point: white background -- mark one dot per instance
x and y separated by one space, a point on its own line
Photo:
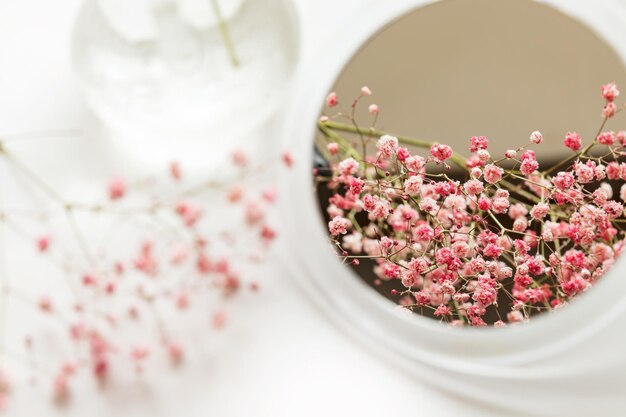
279 355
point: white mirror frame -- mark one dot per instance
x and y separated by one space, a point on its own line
416 342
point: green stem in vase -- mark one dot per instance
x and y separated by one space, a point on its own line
225 34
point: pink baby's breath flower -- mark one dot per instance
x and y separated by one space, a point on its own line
332 100
584 173
428 205
573 141
484 203
520 224
500 205
239 158
381 210
528 166
492 173
189 212
182 300
424 232
387 145
234 194
518 210
339 226
478 143
175 353
43 243
139 353
254 213
440 152
348 166
563 180
609 91
60 388
606 138
219 319
366 91
413 185
539 211
536 137
403 154
391 270
287 159
442 310
609 110
373 109
473 187
483 155
511 153
116 188
332 148
515 316
175 171
415 163
613 209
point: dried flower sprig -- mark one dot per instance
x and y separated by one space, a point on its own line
166 248
496 240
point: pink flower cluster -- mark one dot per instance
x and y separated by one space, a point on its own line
188 259
495 241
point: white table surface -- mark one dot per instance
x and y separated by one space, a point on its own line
279 355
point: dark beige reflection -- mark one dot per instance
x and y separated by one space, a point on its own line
499 68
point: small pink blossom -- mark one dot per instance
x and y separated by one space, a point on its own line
332 100
609 91
528 166
240 159
478 143
116 188
539 211
189 212
536 137
175 171
492 173
606 138
609 110
348 166
332 148
403 154
287 159
366 91
584 173
483 155
473 187
415 163
43 243
413 185
373 109
339 226
175 353
563 180
387 145
573 141
442 310
440 152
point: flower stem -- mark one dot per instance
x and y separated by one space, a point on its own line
406 140
225 34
